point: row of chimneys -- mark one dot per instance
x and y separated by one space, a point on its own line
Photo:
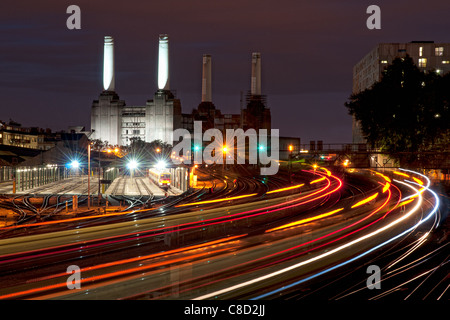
163 69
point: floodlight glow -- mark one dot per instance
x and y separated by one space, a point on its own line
132 164
75 164
161 165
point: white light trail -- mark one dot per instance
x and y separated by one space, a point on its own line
328 253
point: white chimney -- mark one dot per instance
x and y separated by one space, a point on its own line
108 64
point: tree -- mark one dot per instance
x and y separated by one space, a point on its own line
408 110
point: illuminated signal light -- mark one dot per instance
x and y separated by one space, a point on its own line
365 200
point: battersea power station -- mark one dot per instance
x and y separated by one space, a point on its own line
115 122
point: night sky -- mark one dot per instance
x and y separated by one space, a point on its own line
50 75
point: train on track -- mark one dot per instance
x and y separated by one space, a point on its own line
161 178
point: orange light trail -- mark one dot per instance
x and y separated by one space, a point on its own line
217 200
296 223
75 219
384 177
386 187
287 188
365 200
317 180
123 272
405 202
401 174
418 181
327 171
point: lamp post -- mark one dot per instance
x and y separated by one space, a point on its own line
224 151
89 176
290 148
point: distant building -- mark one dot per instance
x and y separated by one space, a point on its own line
13 134
427 55
113 121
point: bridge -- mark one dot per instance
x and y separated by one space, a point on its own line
362 156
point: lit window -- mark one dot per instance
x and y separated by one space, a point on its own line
420 51
438 71
384 61
422 62
445 62
439 51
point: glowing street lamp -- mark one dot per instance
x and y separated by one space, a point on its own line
224 151
132 164
161 165
75 164
290 148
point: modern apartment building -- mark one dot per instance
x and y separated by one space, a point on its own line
427 55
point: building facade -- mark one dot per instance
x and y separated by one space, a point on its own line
118 124
13 134
427 55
